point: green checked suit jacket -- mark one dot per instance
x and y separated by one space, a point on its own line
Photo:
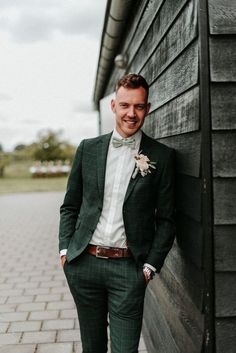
148 205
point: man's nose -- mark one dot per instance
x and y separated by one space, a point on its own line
131 112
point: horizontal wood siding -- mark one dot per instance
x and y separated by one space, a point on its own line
187 152
162 43
222 24
178 116
225 248
223 58
223 105
168 58
225 335
222 16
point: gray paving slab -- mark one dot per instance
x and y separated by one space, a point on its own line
17 348
55 348
37 312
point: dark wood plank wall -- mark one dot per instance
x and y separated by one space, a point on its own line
162 45
222 42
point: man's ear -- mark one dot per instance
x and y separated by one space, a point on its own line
148 108
113 105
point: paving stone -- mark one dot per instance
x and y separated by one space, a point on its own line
9 338
9 274
36 291
54 272
78 347
21 299
39 337
51 284
33 273
31 306
55 348
42 278
18 348
19 279
63 290
67 296
7 308
47 298
6 286
58 324
25 326
59 277
3 327
76 323
3 300
61 305
68 314
13 316
68 336
44 315
28 285
11 292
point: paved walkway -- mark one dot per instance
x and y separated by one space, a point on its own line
37 313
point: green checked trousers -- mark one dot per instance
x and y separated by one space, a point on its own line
107 290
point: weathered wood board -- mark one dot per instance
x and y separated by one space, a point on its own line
225 248
223 106
222 16
224 153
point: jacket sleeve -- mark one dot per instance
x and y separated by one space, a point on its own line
72 202
165 225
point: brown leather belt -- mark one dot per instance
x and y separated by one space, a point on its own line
107 252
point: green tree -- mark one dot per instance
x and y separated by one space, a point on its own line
50 147
4 161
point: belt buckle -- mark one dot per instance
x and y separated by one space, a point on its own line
97 252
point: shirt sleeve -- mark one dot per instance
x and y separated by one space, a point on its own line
151 267
63 252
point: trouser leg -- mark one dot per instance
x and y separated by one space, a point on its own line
84 277
126 292
99 286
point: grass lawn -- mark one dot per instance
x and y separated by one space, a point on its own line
15 185
17 179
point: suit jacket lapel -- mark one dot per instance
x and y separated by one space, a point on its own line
102 150
143 148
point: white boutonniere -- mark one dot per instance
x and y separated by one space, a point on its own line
143 165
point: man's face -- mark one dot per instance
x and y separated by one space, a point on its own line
130 108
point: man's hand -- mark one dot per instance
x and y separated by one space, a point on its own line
147 274
63 260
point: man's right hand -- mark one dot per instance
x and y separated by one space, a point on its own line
63 260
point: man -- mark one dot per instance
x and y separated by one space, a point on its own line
117 223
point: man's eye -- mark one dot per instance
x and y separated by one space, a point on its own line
140 107
124 105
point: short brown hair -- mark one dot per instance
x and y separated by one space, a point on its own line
132 81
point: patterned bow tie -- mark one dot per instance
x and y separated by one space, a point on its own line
123 142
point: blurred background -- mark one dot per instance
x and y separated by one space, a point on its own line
48 62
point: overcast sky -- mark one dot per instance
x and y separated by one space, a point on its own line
48 58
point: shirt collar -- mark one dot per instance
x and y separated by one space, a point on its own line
137 136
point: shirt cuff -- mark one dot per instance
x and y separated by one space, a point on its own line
151 267
63 252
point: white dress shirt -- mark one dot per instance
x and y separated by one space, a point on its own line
120 164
